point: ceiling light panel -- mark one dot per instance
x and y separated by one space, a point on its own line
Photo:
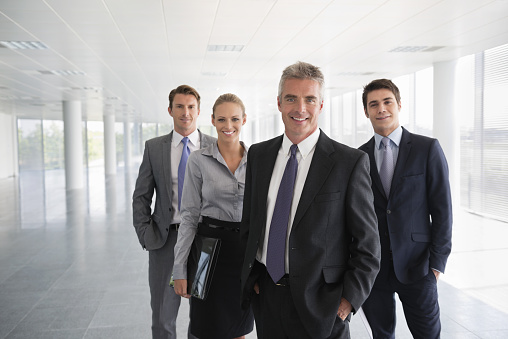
23 45
225 48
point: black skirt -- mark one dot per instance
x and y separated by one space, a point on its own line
220 315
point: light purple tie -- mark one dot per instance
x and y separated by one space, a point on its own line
278 228
181 168
386 170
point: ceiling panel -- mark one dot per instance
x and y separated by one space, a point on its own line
133 52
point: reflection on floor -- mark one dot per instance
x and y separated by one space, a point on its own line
71 266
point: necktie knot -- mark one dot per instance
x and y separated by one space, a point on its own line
386 142
185 141
293 149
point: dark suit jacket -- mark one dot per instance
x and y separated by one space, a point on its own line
415 221
155 175
334 244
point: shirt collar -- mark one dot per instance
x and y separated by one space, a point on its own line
395 137
304 146
193 138
213 151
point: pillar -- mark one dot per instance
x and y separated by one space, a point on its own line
109 145
73 141
445 125
127 145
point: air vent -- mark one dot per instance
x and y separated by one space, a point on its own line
415 49
23 45
354 74
60 72
225 48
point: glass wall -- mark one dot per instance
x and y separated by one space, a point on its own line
483 81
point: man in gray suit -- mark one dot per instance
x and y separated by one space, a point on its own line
157 231
311 257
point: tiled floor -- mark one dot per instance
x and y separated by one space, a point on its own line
71 266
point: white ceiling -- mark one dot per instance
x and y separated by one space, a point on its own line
130 53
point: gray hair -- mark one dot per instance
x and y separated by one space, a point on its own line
302 70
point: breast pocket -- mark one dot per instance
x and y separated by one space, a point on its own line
325 197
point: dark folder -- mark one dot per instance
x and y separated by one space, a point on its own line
201 265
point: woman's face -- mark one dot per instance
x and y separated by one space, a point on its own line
228 121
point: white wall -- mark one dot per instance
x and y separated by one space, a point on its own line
8 146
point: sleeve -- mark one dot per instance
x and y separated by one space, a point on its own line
440 207
365 248
190 213
142 197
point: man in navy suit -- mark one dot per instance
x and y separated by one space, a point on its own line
414 211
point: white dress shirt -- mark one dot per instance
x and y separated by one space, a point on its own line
304 156
176 155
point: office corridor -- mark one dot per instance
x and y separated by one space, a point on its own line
71 265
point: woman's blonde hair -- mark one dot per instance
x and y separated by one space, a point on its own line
228 97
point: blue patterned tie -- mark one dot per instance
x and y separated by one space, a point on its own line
278 228
181 168
386 170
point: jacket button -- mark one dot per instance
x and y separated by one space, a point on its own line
388 212
250 265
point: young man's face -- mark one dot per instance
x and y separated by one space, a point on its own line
185 113
383 111
300 104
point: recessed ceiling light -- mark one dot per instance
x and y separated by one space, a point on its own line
225 48
23 44
414 49
354 73
61 72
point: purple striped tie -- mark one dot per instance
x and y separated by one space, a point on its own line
278 228
386 170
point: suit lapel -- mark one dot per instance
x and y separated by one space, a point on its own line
267 163
374 174
404 151
166 163
318 173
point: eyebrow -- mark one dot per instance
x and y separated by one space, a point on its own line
223 117
388 98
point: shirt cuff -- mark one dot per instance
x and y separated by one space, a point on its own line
180 271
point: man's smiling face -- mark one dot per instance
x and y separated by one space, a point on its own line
383 111
300 104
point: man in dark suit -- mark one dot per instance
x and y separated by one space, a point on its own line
414 211
157 231
305 282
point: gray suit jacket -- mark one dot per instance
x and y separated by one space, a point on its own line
155 176
334 243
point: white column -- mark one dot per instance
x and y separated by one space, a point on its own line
445 126
127 145
73 141
109 145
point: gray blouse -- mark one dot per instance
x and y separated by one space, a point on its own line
211 190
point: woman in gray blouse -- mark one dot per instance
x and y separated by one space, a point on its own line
213 193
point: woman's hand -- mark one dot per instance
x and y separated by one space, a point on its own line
181 288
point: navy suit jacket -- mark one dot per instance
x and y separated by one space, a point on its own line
415 221
334 244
